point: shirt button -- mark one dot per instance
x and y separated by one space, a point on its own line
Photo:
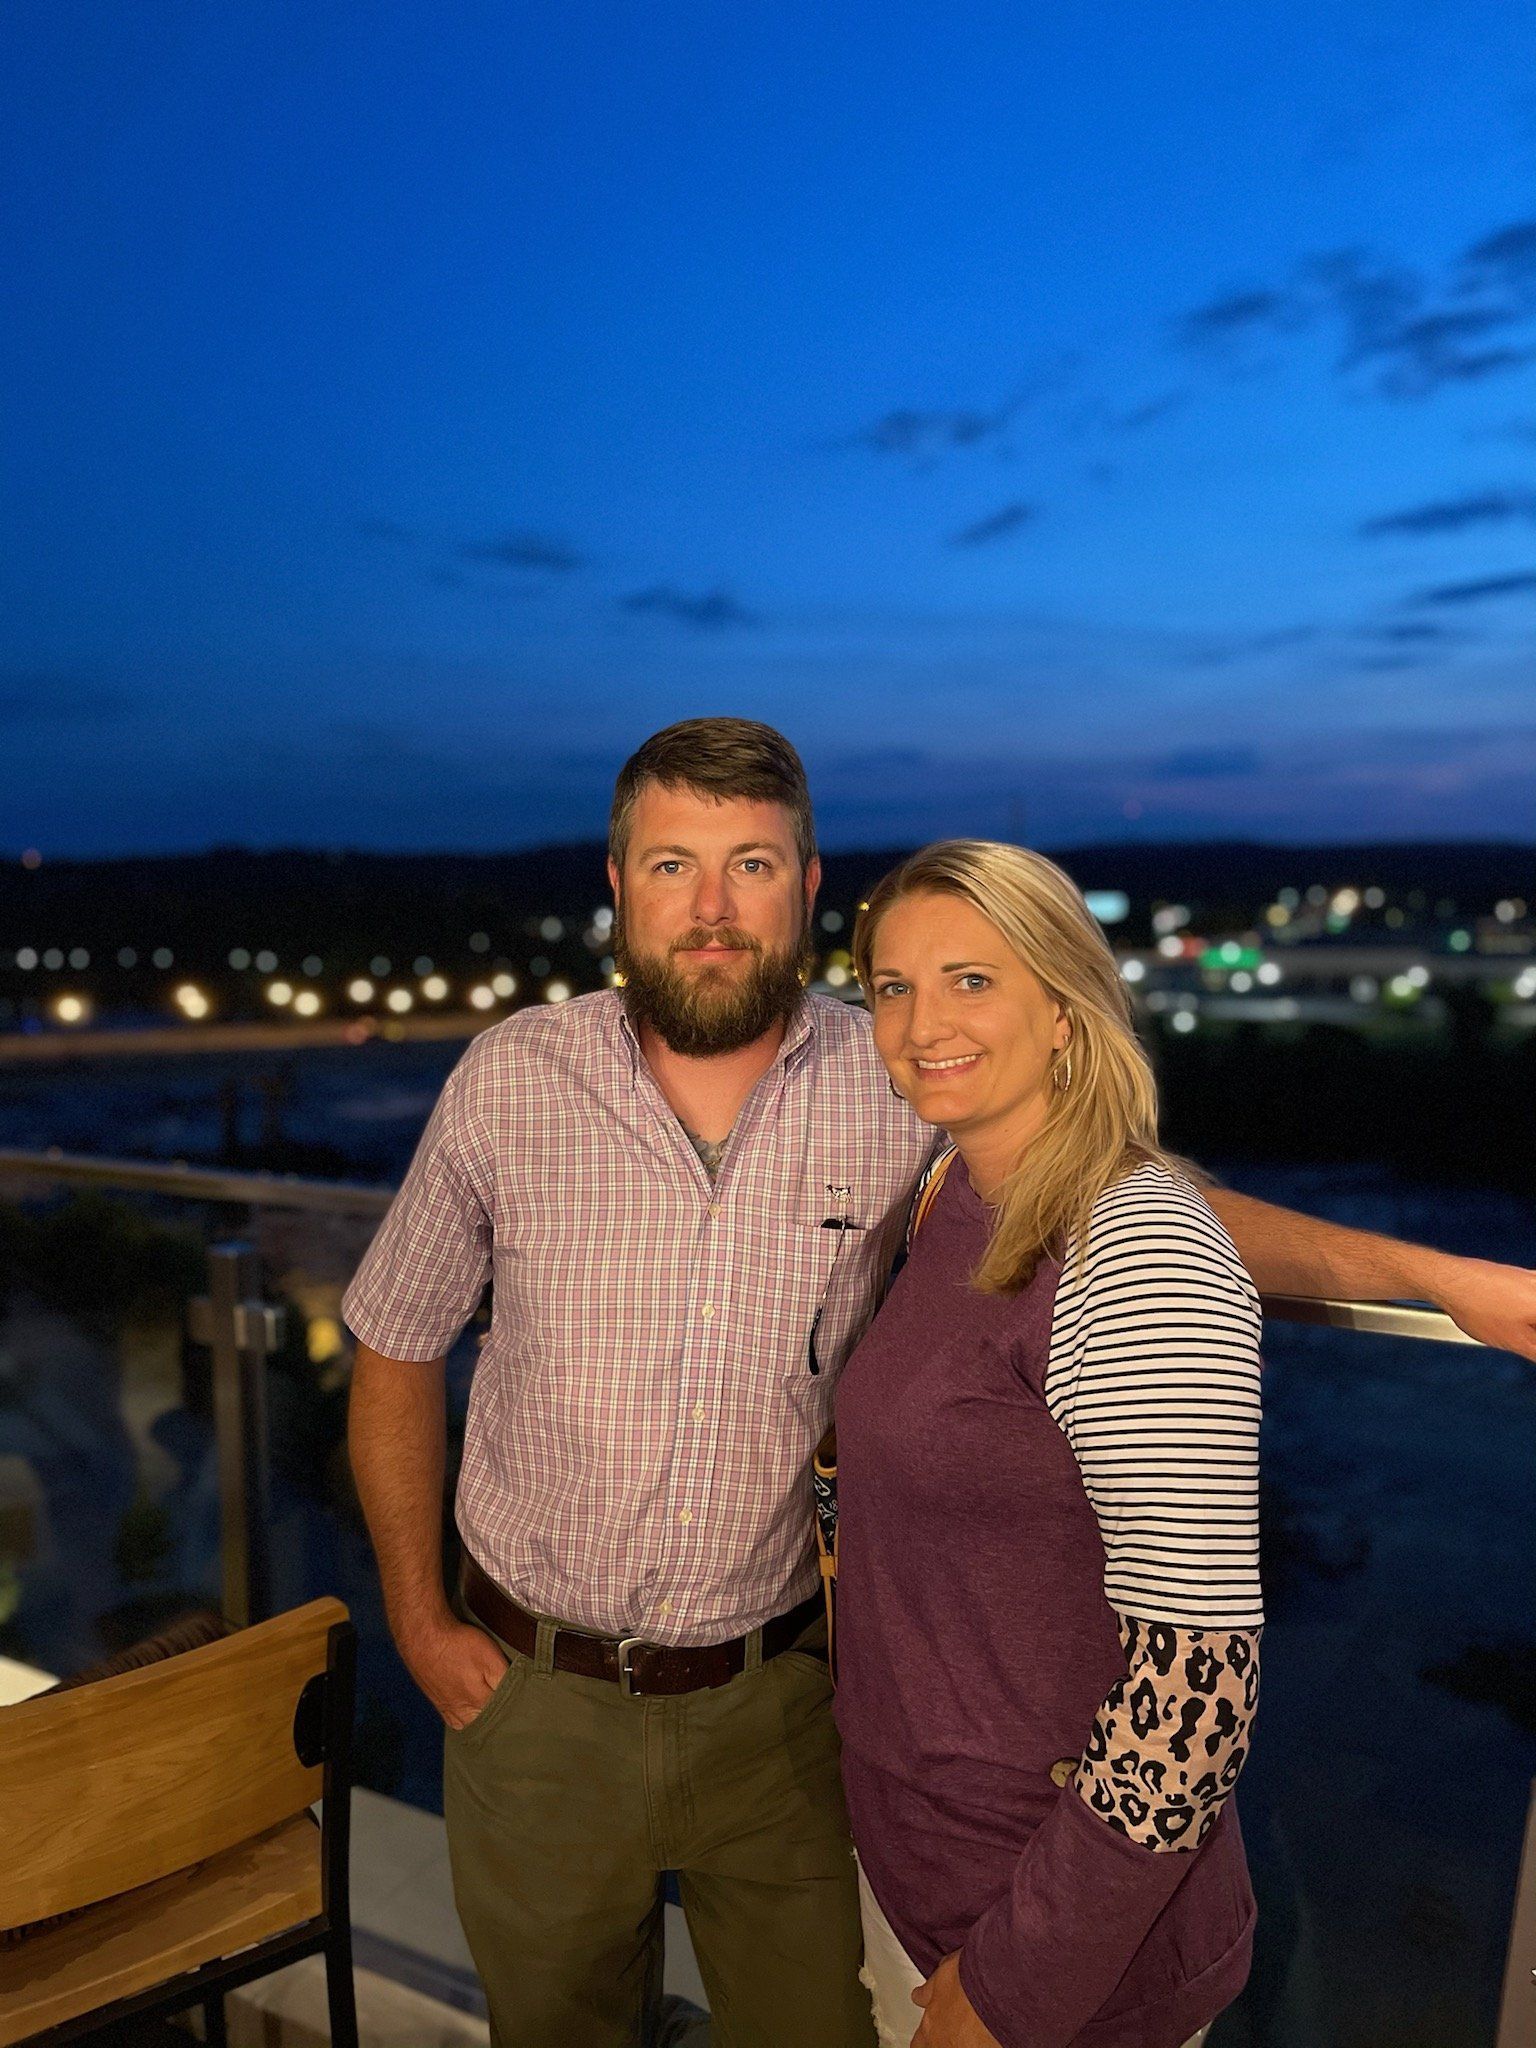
666 1606
686 1515
708 1311
698 1411
714 1208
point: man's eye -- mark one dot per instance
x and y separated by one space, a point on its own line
666 867
755 865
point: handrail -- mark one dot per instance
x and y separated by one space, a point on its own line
197 1183
358 1198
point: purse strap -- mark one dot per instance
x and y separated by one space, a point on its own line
824 1459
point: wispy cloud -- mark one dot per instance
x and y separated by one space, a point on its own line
1454 515
1506 258
526 551
1007 519
1239 313
1145 415
1518 583
1408 336
924 434
709 609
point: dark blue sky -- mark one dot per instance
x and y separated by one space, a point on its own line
1061 421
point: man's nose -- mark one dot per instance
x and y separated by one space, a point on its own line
713 900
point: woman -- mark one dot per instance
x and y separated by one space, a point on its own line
1049 1612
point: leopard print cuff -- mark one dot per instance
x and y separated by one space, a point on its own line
1167 1745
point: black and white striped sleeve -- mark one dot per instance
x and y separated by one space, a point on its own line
1154 1379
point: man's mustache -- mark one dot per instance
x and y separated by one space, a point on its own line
725 936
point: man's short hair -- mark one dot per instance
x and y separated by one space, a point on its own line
721 758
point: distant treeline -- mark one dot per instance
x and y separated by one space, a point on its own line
399 902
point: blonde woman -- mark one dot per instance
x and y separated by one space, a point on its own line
1049 1610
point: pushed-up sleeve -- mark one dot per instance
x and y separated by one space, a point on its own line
1154 1379
427 1266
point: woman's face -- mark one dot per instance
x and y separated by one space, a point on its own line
966 1031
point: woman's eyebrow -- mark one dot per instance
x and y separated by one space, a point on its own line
958 966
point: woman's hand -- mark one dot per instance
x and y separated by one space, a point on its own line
949 2018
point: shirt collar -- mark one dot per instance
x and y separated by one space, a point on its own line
799 1035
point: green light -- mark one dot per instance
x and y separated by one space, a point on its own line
1230 954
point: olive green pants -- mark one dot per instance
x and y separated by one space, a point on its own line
566 1801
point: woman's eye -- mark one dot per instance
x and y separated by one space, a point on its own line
975 983
891 988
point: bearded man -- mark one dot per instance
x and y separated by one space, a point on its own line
688 1194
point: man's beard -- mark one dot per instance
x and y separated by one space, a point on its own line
715 1009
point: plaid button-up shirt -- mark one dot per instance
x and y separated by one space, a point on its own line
637 1456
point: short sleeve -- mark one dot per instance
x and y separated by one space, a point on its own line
1154 1378
426 1269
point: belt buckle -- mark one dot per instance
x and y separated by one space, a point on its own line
627 1646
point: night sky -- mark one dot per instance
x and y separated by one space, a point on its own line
1064 422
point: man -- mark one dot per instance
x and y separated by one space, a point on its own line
688 1196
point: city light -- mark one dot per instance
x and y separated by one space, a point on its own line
240 959
479 942
481 998
434 988
831 920
551 928
1171 918
504 984
1270 973
72 1009
266 960
1183 1020
26 959
312 965
1133 970
53 959
837 977
1109 906
79 957
1525 983
360 990
127 957
307 1003
399 1000
422 964
191 1001
558 992
279 992
163 957
378 966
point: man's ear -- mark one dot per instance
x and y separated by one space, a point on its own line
613 881
812 884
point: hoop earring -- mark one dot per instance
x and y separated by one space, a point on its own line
894 1089
1061 1073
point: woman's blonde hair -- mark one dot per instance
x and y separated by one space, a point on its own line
1102 1123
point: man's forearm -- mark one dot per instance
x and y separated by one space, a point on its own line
1288 1253
395 1434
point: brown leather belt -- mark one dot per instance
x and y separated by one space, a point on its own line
634 1666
